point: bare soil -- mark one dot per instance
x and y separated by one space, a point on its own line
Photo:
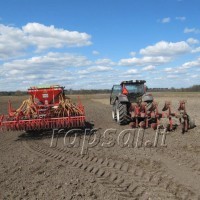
107 168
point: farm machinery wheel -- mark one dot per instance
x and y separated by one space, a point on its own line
121 113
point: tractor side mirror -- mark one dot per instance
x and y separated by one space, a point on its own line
111 95
145 88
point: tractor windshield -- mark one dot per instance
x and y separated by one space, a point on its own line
137 88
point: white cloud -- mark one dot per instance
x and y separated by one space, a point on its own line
45 37
66 69
182 70
149 68
49 60
192 41
168 69
132 71
132 54
176 70
191 30
166 20
146 60
95 69
14 41
172 76
195 76
187 65
52 68
158 78
160 53
196 50
104 61
164 48
48 69
181 18
95 52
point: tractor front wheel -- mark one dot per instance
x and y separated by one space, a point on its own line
114 115
121 113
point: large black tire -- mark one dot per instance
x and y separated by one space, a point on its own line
121 113
114 115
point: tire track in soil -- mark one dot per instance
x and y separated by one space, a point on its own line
75 162
184 174
190 161
126 180
6 143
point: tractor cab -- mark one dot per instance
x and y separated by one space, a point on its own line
128 91
133 87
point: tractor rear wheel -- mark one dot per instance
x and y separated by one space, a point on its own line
121 113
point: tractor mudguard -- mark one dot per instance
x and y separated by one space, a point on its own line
123 98
147 98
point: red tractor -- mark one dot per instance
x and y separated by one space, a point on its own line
46 108
131 104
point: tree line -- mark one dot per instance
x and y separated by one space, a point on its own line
194 88
67 92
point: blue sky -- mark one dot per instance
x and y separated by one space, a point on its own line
97 43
